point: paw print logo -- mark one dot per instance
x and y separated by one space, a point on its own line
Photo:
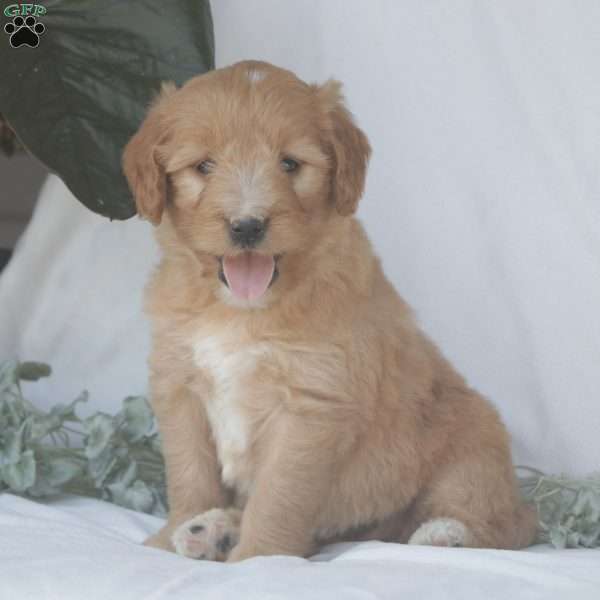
24 32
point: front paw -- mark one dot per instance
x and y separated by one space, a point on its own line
208 536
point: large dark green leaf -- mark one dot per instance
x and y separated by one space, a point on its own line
76 98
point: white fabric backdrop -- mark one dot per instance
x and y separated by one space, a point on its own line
72 296
483 200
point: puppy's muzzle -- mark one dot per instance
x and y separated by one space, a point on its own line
247 233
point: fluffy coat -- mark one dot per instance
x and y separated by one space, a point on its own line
319 410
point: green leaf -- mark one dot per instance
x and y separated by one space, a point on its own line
61 470
55 472
32 371
137 496
8 375
159 495
42 425
138 418
100 429
558 537
125 477
76 99
13 410
21 475
11 445
101 466
140 497
67 413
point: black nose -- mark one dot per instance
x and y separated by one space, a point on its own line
247 232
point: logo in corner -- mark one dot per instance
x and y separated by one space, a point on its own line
25 28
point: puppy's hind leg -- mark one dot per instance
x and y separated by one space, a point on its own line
474 504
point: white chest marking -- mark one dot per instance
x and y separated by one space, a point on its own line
229 367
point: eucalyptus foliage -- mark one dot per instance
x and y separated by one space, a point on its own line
568 508
116 458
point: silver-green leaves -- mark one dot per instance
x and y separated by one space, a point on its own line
569 509
19 475
138 418
99 430
116 458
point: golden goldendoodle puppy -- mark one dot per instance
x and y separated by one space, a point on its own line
297 400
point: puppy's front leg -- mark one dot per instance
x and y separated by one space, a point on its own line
193 480
290 487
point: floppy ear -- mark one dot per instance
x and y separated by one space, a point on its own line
142 165
350 146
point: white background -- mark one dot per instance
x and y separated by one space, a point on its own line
483 200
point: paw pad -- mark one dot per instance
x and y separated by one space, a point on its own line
208 536
224 545
195 529
24 32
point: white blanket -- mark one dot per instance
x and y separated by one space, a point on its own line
75 549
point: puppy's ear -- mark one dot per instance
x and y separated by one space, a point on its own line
350 148
142 165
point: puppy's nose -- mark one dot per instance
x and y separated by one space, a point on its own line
247 232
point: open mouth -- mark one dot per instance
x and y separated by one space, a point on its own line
248 275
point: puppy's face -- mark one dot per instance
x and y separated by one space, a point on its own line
250 165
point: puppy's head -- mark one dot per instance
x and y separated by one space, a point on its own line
248 165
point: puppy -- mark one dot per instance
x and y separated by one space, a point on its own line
297 400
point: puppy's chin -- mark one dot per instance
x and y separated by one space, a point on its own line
247 278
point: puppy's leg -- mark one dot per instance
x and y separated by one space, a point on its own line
472 496
474 503
193 480
280 515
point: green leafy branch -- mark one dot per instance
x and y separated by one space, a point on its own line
568 508
116 458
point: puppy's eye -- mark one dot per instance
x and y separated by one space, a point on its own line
205 167
289 165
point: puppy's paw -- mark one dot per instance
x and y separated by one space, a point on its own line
441 532
209 536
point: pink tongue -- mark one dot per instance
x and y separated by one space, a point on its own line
249 274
